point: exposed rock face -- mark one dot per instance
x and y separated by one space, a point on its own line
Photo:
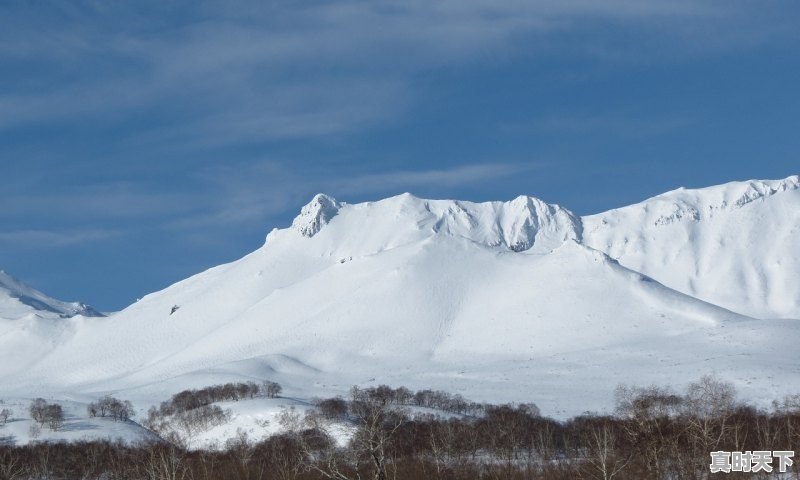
316 214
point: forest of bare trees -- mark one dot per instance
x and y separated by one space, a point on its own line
654 433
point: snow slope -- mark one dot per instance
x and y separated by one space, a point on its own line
77 425
735 245
498 301
32 324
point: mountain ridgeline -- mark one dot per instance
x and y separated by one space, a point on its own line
495 300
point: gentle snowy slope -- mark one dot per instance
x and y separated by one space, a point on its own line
498 301
735 245
77 425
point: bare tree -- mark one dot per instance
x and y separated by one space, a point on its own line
4 415
376 424
788 409
603 456
108 405
284 455
163 462
376 421
333 408
241 449
290 419
47 413
708 407
272 389
37 410
11 464
647 417
54 416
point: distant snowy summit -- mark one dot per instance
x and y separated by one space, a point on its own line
517 223
523 224
18 299
735 245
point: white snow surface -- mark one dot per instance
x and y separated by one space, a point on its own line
32 324
77 425
735 245
500 301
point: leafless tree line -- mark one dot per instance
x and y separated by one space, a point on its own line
112 407
190 412
180 427
435 399
274 458
190 399
654 433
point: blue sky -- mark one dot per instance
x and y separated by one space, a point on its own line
142 142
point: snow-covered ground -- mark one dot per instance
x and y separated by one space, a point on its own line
21 429
501 301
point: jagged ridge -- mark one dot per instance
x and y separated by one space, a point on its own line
15 291
523 224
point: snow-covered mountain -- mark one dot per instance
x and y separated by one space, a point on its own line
502 301
18 300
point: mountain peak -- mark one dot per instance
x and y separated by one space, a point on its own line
533 222
522 224
316 214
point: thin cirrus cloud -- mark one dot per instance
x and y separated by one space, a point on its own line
628 126
93 202
454 177
56 238
294 111
245 197
254 72
216 197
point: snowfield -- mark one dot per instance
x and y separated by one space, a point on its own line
502 301
734 245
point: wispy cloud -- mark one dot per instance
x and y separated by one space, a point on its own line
215 73
104 200
55 238
213 198
254 193
410 180
620 125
